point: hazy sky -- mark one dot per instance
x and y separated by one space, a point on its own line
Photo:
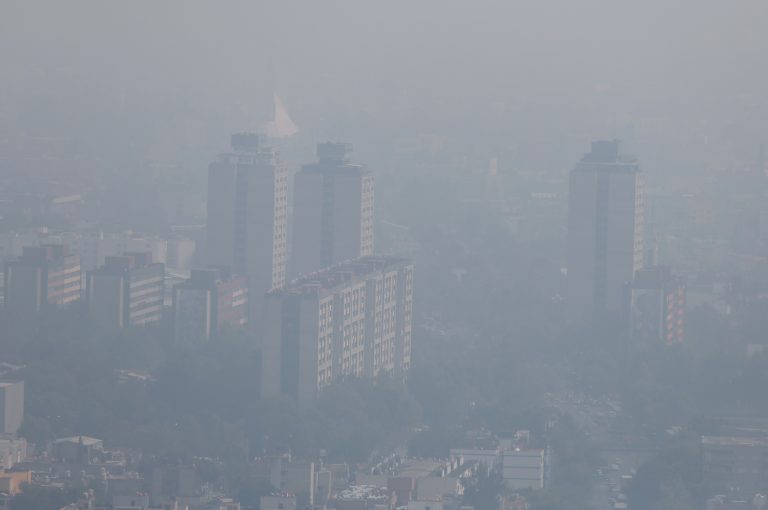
199 67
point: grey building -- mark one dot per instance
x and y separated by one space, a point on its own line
332 212
11 406
211 300
126 291
605 230
247 213
43 276
656 300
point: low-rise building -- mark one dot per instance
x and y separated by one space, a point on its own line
656 303
290 476
13 450
278 502
487 456
430 488
436 504
12 482
76 449
131 502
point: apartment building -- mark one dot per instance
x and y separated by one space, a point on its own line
350 320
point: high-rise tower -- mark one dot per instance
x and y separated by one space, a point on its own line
332 212
605 229
247 213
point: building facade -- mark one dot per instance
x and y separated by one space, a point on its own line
11 406
43 276
350 320
211 300
333 211
523 468
126 291
605 230
247 213
656 300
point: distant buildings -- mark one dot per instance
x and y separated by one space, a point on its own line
735 464
126 291
94 247
43 276
416 484
13 482
605 229
211 300
656 307
76 450
247 213
353 319
13 450
333 211
11 407
289 476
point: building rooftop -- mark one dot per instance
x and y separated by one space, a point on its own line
120 264
264 156
45 253
417 468
85 440
246 142
361 492
342 273
606 155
